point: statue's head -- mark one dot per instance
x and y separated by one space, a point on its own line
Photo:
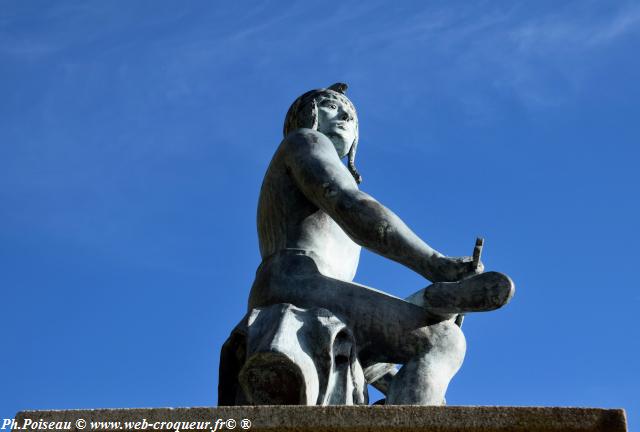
328 111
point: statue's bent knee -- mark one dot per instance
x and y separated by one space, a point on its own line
424 379
447 344
443 336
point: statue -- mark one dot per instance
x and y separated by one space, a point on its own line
312 335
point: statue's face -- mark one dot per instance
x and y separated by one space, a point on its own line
337 120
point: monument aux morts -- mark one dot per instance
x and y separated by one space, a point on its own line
311 335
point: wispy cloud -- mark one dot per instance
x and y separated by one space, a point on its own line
541 59
625 23
26 49
568 31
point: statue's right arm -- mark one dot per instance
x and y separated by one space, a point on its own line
314 164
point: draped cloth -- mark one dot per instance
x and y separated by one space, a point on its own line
285 355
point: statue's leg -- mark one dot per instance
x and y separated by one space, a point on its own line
386 328
424 379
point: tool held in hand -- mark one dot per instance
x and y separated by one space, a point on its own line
477 253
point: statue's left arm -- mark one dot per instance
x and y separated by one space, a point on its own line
317 170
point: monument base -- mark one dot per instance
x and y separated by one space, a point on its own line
329 418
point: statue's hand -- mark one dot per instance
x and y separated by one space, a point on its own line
451 269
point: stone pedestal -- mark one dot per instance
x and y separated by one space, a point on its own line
332 418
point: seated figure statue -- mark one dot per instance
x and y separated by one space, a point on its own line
312 222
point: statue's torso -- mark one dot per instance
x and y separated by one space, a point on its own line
288 220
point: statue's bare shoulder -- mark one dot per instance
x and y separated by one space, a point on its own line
303 185
311 160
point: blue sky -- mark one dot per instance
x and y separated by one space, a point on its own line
134 137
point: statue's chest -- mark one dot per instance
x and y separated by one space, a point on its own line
340 254
322 226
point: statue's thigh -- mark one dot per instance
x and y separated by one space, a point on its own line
386 328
